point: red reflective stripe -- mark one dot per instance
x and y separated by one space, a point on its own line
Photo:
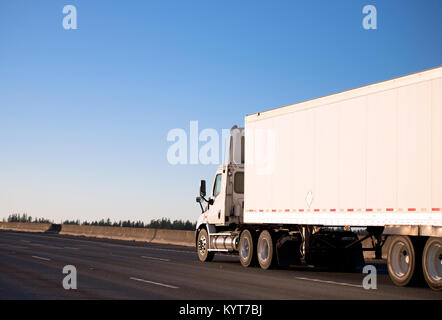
334 210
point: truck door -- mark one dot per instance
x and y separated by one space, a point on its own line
217 209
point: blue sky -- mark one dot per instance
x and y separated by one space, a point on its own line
84 114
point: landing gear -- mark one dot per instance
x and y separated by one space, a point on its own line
337 250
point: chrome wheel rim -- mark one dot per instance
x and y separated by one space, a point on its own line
202 243
264 249
245 248
434 262
400 259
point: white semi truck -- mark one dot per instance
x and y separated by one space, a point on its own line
301 178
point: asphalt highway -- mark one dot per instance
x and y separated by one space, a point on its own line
31 267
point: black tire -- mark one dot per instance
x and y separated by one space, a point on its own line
404 261
202 246
247 249
432 262
265 250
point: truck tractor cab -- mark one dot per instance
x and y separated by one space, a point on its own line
223 206
226 201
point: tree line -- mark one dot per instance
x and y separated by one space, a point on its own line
25 218
163 223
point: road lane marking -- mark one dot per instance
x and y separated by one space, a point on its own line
155 283
154 258
13 246
40 245
41 258
331 282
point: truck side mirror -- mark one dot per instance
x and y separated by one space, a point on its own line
203 188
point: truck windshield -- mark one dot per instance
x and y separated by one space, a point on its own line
239 182
217 185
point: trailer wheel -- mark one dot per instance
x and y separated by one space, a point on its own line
265 250
247 245
432 263
203 247
404 261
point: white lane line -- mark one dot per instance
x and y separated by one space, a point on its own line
154 258
155 283
41 258
40 245
331 282
12 246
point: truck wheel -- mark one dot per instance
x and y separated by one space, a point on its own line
247 249
432 263
203 247
404 261
265 250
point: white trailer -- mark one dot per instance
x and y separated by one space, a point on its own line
370 157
